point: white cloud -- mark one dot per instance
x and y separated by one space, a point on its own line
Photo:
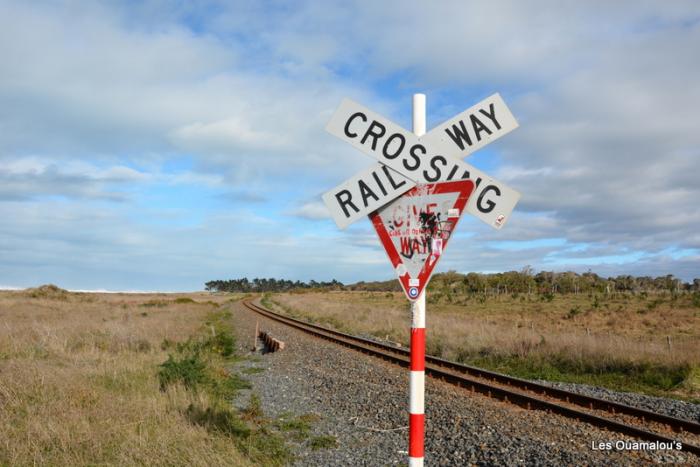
227 135
605 95
32 177
87 83
605 156
312 210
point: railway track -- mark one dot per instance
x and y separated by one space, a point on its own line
621 418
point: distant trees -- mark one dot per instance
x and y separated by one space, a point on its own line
524 281
391 285
267 285
549 282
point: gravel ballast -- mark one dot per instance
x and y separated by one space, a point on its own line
363 401
671 407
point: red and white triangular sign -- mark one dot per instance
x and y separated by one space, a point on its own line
415 228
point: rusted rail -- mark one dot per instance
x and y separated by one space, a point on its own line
465 376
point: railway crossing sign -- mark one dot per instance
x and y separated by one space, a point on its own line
415 228
414 197
407 160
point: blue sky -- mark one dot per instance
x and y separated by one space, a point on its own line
157 145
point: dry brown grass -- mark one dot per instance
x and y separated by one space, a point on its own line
602 332
78 381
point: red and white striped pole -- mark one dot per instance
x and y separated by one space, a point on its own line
416 384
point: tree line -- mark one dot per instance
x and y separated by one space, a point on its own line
548 282
523 281
267 285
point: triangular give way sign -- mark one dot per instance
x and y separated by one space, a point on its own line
415 229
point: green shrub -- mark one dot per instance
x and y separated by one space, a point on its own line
266 300
220 420
573 312
222 343
184 300
198 364
618 374
266 448
298 428
323 442
225 385
254 409
49 291
190 371
696 299
166 344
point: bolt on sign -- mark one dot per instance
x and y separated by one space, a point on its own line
415 228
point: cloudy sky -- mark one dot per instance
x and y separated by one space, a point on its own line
154 145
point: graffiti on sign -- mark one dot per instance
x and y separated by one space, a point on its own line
420 225
416 227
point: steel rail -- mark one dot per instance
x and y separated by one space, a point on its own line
457 374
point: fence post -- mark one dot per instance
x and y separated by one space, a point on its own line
255 338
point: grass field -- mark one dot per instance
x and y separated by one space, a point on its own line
134 379
644 343
123 379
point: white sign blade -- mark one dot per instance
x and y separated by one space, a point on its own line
472 129
385 141
365 192
492 201
418 160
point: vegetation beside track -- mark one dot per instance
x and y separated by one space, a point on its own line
647 343
202 364
125 379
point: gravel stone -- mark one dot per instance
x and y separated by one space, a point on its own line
363 402
671 407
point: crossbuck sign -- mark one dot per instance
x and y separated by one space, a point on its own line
407 160
415 197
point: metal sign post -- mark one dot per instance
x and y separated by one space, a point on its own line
416 383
